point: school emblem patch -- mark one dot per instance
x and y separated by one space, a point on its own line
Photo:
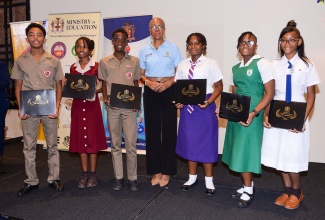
249 72
47 73
129 75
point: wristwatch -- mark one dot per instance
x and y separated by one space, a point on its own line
255 112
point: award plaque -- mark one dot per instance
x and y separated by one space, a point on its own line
79 86
234 107
191 91
37 102
287 115
125 96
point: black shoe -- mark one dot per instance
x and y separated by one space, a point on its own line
119 183
26 189
210 191
245 203
186 188
133 185
57 185
237 194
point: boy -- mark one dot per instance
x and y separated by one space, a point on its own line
38 70
121 68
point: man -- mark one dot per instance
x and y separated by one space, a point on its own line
38 70
121 68
158 62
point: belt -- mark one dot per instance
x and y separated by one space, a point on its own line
159 79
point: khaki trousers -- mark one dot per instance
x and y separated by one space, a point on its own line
30 132
123 119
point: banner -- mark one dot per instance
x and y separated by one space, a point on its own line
63 31
137 28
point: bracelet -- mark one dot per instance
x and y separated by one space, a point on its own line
255 112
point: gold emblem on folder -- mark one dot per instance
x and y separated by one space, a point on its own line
190 92
79 86
286 114
126 96
37 101
234 107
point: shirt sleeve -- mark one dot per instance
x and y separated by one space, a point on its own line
266 70
312 75
101 70
216 72
178 56
142 59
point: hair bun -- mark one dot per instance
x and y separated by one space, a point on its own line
292 23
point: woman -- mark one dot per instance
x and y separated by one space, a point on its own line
87 136
288 151
158 62
252 77
197 139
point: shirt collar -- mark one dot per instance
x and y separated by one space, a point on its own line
87 67
249 62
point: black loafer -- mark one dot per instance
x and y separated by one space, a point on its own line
57 185
26 189
133 185
119 183
186 188
237 194
210 191
245 203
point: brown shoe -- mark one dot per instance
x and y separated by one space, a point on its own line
83 181
155 179
293 202
281 200
92 181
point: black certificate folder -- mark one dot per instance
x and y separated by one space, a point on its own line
234 107
191 91
287 115
79 86
37 102
125 96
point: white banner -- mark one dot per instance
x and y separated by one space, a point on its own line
63 31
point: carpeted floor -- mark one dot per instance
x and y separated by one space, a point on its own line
102 202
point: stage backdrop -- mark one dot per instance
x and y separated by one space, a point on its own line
63 31
137 28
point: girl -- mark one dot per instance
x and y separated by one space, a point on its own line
87 135
242 148
197 139
288 151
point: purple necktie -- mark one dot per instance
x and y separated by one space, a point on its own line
190 108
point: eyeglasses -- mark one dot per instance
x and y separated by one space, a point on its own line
291 41
249 43
154 27
118 40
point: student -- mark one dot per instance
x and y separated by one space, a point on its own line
158 62
37 70
87 135
4 101
197 139
287 150
253 77
121 68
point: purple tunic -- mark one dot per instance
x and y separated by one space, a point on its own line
197 138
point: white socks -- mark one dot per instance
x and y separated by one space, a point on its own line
241 190
249 190
191 180
209 182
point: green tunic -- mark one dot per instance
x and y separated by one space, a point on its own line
242 147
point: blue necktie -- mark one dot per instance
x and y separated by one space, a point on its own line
288 84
